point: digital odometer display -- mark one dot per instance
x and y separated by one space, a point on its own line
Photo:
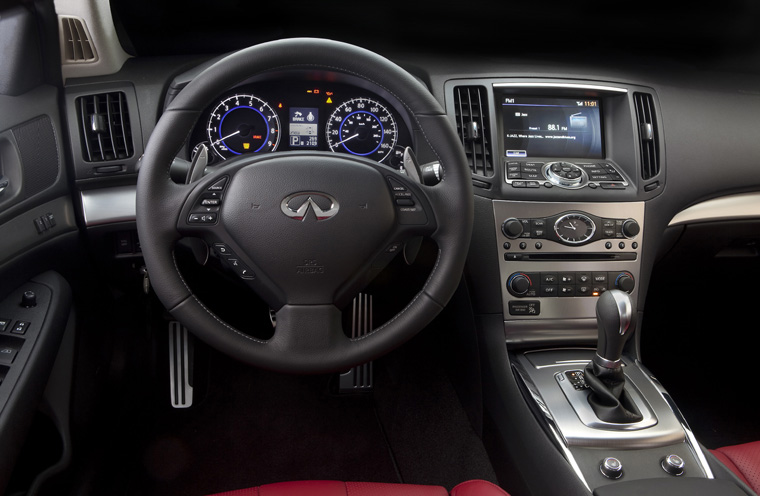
551 127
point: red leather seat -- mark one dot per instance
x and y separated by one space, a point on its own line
335 488
744 461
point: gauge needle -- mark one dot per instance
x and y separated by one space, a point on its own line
347 139
570 225
228 136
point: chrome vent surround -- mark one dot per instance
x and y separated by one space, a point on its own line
76 42
648 135
104 127
472 120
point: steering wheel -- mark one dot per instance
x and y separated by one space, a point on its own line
306 229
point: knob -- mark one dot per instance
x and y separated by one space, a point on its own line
673 464
611 468
630 228
512 228
519 284
624 282
29 299
613 315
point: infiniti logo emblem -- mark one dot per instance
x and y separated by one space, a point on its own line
298 205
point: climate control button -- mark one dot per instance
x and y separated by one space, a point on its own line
519 284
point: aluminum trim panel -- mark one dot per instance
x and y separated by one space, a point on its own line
667 430
569 317
109 205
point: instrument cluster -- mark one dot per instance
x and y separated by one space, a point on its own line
302 114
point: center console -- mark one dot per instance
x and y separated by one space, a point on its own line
573 166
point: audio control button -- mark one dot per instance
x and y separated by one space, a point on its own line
512 228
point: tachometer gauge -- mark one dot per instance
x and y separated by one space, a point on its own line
362 127
243 124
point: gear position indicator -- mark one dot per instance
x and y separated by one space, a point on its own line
303 127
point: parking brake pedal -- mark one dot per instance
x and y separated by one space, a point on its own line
359 378
180 366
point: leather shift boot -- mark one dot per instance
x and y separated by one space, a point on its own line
608 397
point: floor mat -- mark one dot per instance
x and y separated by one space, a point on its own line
256 427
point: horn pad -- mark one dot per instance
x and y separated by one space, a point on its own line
309 222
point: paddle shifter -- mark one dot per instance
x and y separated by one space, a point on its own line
604 374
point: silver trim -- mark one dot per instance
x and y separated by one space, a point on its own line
561 85
309 204
562 182
666 431
607 364
565 320
691 439
743 206
109 205
180 389
623 302
575 214
551 423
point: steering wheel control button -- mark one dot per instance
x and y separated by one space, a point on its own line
611 468
673 464
240 269
219 185
222 250
204 218
528 308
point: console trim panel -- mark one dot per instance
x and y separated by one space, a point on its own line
563 318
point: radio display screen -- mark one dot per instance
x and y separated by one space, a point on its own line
551 127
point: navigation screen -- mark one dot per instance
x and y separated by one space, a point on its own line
551 127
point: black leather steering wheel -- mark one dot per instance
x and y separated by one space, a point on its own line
305 268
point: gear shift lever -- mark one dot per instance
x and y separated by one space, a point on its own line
604 374
613 316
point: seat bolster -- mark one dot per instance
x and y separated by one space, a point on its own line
478 488
744 461
335 488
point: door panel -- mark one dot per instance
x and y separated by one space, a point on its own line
38 227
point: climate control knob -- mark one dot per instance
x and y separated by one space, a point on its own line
519 284
512 228
630 228
624 282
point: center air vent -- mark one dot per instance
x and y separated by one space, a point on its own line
104 126
471 110
648 135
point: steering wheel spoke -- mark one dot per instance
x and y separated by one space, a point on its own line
308 331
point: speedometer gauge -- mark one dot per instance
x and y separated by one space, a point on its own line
243 124
362 127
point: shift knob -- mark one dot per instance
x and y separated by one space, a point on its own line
613 316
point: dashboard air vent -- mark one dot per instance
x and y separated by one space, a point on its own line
471 111
104 124
76 42
648 135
